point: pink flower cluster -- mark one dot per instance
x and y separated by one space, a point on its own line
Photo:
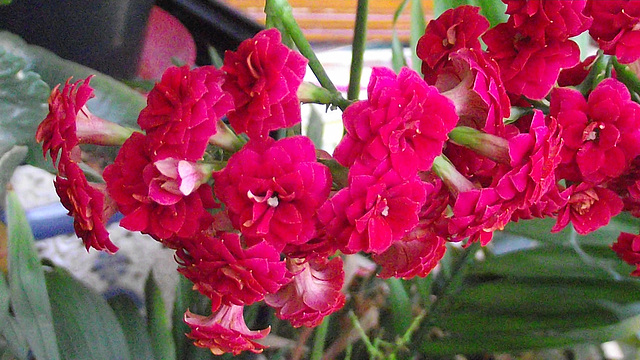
424 160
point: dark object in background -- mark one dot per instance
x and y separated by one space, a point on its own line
108 35
104 35
211 23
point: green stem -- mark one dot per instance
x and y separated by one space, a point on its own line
319 339
626 76
373 351
494 147
357 49
282 10
452 178
272 21
414 326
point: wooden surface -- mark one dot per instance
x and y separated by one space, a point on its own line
333 20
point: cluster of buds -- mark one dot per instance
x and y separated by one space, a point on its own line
426 159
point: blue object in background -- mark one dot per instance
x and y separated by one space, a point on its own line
52 220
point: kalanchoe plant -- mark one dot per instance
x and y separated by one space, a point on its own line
481 139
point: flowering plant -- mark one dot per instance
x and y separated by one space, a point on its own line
503 127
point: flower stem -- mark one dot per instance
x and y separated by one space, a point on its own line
272 21
357 49
626 76
373 351
282 10
455 182
319 339
491 146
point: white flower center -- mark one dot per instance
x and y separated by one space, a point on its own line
385 211
273 201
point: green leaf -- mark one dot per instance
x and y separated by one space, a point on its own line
29 298
158 322
185 298
9 161
440 6
16 342
23 104
534 289
418 25
85 325
27 72
400 306
493 10
133 327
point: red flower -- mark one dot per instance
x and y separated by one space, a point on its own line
135 183
58 130
628 249
403 118
529 67
70 123
477 214
224 331
588 209
263 77
573 76
272 190
371 213
548 19
616 27
601 134
227 273
473 83
183 110
415 255
455 29
534 157
313 293
87 204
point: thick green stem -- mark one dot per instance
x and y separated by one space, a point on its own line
491 146
272 21
357 49
319 339
626 76
282 10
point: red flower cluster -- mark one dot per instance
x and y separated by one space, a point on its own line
425 160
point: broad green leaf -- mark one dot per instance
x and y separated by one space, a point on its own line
493 10
29 298
440 6
133 327
16 342
418 25
534 289
185 298
9 161
114 100
27 72
400 306
85 325
23 104
158 322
